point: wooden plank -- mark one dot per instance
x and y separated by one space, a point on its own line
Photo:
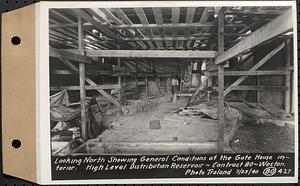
124 18
251 73
173 38
109 14
279 25
68 25
70 55
91 82
287 96
99 26
82 82
279 88
159 20
94 72
143 18
221 109
171 25
254 68
189 20
120 85
175 20
152 53
142 148
202 20
87 87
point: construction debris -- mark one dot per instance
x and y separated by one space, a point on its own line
155 124
137 106
153 89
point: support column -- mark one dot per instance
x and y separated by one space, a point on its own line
258 92
136 76
221 108
146 80
288 77
82 81
121 88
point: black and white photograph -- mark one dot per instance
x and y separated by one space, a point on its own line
173 83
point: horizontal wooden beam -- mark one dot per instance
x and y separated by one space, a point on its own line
172 25
259 88
251 73
165 25
152 53
96 87
94 72
204 36
74 55
279 25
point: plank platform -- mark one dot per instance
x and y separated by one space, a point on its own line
132 135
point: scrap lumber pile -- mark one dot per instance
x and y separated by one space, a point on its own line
138 106
208 110
153 89
262 113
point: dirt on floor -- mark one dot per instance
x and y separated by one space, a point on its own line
255 138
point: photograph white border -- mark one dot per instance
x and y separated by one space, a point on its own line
42 90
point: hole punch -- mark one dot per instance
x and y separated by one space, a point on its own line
16 40
16 143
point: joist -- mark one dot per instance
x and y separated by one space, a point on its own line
254 68
92 73
172 25
152 53
124 18
279 25
96 87
91 82
70 55
203 36
116 20
100 27
159 20
175 20
189 19
251 73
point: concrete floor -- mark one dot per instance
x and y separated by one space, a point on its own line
136 128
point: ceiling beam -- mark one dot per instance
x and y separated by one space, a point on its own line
70 55
124 18
173 25
175 20
151 53
189 20
143 18
279 25
100 26
159 20
165 38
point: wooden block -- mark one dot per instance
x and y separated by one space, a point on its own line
155 124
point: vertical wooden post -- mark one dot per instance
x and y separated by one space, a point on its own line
146 80
258 92
120 84
82 80
288 77
136 76
221 108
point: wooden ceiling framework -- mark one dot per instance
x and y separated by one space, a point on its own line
155 28
161 29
